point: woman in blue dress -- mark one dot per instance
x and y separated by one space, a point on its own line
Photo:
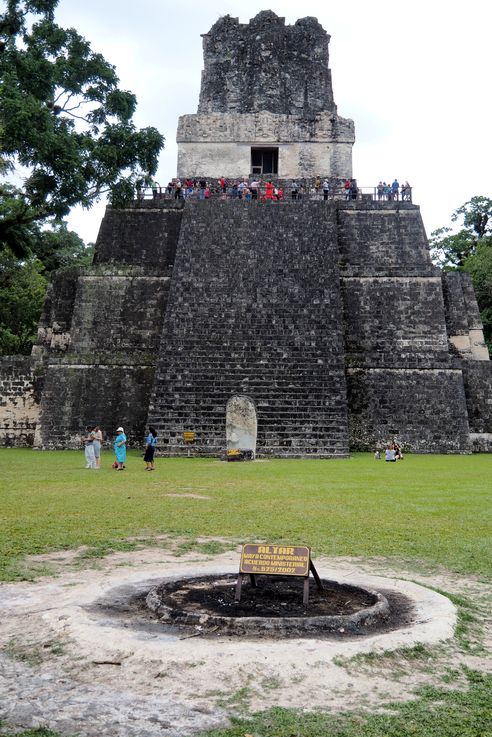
120 449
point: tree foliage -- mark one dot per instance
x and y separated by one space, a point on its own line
23 282
22 290
470 249
64 124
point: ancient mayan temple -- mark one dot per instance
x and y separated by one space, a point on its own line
329 315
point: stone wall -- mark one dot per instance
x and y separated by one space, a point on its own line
104 394
19 396
464 326
145 235
266 65
103 371
401 380
425 409
478 391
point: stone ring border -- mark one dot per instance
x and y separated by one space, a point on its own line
244 626
433 621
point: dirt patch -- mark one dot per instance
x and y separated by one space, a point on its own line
190 496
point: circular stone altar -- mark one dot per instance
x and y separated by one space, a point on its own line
273 608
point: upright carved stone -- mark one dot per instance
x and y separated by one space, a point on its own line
266 104
241 424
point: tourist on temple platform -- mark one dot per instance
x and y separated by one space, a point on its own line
317 184
255 185
189 187
222 183
294 189
169 188
234 191
395 188
353 189
202 186
120 449
178 189
347 187
380 190
406 192
154 187
151 444
269 191
326 189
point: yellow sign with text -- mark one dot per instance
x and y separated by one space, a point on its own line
275 560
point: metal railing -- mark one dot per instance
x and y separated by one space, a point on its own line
275 194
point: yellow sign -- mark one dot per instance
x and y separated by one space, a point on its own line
189 436
275 560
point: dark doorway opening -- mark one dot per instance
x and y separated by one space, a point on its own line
264 160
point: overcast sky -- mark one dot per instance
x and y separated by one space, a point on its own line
414 75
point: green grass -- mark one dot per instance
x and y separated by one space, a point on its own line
438 712
433 509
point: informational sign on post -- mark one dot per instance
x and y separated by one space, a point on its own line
277 560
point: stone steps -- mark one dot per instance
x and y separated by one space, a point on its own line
257 320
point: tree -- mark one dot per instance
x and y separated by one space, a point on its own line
64 124
23 282
450 249
470 249
22 291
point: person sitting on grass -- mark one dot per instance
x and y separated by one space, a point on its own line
389 454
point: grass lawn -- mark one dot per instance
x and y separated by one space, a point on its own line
434 509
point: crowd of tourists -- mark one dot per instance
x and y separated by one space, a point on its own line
92 441
270 190
392 453
394 191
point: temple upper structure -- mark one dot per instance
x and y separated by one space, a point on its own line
266 104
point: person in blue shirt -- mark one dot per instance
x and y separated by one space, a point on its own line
120 449
151 443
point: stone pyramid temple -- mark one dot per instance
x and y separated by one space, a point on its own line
326 312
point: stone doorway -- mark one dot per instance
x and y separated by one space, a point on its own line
264 160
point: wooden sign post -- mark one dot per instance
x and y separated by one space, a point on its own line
277 560
189 437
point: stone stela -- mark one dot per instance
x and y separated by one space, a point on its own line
277 560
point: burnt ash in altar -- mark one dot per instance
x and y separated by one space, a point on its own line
274 607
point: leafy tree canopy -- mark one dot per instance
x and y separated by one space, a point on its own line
451 249
23 282
64 124
470 249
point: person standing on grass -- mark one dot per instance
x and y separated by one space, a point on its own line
98 436
120 449
88 440
151 443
